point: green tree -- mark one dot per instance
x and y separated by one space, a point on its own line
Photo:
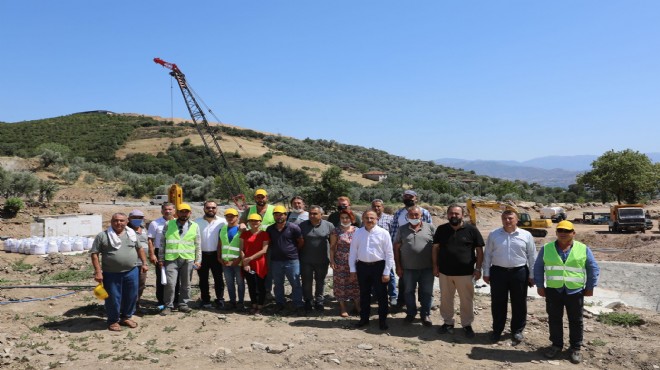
627 175
331 186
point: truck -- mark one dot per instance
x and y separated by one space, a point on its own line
627 217
555 214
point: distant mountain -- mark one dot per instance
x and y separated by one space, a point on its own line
548 171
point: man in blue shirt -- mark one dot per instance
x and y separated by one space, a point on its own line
565 272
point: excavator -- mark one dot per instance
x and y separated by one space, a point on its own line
207 134
525 221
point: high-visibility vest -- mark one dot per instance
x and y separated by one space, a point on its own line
230 250
267 219
177 246
572 273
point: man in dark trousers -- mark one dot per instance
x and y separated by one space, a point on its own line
508 268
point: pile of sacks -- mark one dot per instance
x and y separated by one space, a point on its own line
41 246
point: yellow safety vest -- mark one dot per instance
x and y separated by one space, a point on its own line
177 246
572 273
230 250
267 219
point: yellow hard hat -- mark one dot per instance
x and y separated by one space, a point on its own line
568 225
254 216
231 211
183 206
279 209
261 192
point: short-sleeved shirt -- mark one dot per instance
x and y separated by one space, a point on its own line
142 241
121 259
317 241
457 256
297 218
416 251
252 244
155 231
283 244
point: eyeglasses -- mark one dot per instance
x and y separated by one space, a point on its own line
564 231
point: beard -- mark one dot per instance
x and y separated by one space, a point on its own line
261 203
455 221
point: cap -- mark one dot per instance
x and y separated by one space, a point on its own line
568 225
279 209
254 216
261 192
231 211
136 213
183 206
410 192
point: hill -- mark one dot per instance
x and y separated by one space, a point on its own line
146 154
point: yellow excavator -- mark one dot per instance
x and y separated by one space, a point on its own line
535 227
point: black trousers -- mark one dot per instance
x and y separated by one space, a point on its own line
256 289
210 262
504 284
555 302
370 277
313 275
160 288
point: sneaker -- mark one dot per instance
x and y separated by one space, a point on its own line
206 305
166 311
426 321
576 356
469 333
518 338
185 309
446 329
220 305
393 301
552 352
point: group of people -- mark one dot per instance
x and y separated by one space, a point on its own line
266 244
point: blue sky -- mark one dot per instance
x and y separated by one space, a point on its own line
423 79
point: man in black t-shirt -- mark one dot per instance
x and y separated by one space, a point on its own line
457 258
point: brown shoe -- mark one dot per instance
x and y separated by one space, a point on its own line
130 323
114 327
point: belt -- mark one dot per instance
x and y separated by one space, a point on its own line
508 268
214 252
370 263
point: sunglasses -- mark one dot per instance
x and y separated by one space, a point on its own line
564 231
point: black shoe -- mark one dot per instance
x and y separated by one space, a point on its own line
308 306
469 333
319 307
576 356
446 329
279 308
495 337
185 309
220 305
409 318
426 321
362 323
383 325
552 352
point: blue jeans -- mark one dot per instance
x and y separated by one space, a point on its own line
392 291
423 277
122 288
234 278
290 269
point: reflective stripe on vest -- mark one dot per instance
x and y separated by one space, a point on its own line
267 219
177 247
230 250
572 273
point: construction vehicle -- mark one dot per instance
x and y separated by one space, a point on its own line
535 226
627 217
209 139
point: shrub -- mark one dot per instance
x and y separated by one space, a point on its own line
13 206
621 319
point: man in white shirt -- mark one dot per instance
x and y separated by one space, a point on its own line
371 258
154 235
209 228
508 267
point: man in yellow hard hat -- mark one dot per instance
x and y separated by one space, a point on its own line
565 272
262 208
180 252
285 242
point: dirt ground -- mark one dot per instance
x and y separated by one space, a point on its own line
70 331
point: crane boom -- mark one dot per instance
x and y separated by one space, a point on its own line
208 137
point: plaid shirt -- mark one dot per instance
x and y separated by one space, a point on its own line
385 221
394 227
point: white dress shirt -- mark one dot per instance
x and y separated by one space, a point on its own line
209 232
155 231
371 246
509 250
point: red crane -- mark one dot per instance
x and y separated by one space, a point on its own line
208 137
